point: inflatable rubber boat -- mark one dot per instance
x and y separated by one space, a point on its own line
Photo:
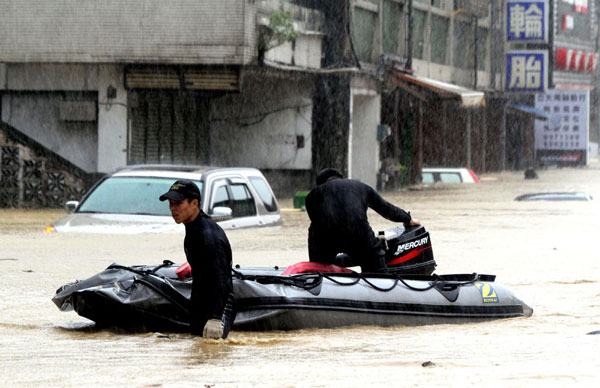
304 295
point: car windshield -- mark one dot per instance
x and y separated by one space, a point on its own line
130 195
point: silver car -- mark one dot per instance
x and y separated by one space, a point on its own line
126 201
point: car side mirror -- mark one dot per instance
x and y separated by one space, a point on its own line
221 213
71 205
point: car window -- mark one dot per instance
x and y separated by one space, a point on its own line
450 177
220 197
236 196
262 188
243 204
130 195
427 177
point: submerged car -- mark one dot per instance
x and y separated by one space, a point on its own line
555 196
126 201
448 175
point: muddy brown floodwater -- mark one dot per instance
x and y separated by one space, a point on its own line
546 252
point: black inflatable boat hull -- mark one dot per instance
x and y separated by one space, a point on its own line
152 298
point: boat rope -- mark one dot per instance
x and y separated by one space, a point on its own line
363 278
308 281
338 282
152 271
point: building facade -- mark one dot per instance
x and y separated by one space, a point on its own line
376 88
107 84
444 97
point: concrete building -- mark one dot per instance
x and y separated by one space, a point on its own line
376 88
105 84
443 70
431 57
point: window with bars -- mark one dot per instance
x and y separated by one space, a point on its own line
482 39
364 22
419 19
394 27
463 45
439 38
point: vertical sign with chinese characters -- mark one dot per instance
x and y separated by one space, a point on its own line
563 139
526 71
527 21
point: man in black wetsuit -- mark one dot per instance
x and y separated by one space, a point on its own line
208 251
337 208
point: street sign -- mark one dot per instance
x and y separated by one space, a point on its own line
527 21
526 71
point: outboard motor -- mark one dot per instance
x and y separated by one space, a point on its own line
408 250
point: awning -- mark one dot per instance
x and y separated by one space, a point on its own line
421 87
539 114
529 110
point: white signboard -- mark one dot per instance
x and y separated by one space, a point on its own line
564 136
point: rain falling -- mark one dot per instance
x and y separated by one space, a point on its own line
469 129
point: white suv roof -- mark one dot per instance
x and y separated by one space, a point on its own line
448 175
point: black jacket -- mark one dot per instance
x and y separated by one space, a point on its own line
208 251
338 214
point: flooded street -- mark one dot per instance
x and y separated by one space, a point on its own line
546 252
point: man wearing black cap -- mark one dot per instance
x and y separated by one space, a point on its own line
337 208
208 251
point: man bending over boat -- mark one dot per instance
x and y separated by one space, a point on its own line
208 251
339 232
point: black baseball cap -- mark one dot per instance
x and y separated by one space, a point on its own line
180 190
327 173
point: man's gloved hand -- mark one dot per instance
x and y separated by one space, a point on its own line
414 222
213 329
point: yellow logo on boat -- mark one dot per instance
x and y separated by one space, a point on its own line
488 294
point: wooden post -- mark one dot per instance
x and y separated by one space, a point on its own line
396 125
484 130
468 138
419 164
503 137
444 133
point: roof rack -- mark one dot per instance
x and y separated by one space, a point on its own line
166 167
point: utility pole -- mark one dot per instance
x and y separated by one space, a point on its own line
409 35
494 45
475 64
